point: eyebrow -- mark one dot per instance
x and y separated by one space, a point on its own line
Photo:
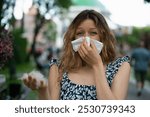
90 28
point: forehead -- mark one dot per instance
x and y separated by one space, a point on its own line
87 23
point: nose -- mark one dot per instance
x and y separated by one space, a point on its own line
86 34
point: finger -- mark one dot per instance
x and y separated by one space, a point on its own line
84 49
42 84
25 81
33 84
83 56
29 78
81 53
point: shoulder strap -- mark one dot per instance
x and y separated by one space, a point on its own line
53 61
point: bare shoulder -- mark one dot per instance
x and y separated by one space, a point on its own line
125 66
123 72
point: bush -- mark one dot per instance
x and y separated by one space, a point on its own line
20 45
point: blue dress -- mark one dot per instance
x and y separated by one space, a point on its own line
72 91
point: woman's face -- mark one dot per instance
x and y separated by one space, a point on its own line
87 28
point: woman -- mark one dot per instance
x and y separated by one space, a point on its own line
87 74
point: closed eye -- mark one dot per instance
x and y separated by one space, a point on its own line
93 33
79 33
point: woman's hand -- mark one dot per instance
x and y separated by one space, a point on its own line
33 84
40 85
89 53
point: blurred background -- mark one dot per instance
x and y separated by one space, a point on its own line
31 32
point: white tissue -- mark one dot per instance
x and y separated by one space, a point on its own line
25 75
88 40
98 44
36 75
77 42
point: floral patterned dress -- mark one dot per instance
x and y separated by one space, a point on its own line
72 91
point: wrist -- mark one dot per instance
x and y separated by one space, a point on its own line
98 65
42 90
43 93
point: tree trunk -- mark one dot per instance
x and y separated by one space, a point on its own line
39 23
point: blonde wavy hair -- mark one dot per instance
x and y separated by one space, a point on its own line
70 60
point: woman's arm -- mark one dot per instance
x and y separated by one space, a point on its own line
54 83
121 81
119 86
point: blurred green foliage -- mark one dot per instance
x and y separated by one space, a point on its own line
64 3
20 45
50 31
133 38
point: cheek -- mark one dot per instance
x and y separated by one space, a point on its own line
95 38
76 37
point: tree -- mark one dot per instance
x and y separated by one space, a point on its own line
48 6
